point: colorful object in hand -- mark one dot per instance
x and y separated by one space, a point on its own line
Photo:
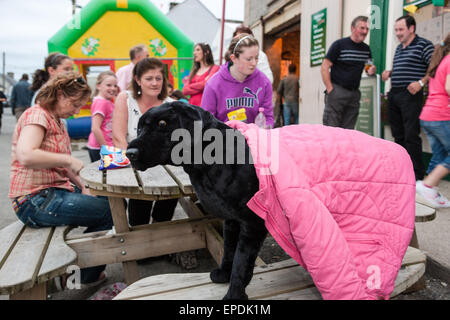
112 158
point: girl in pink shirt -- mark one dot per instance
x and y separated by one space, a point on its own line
102 110
435 121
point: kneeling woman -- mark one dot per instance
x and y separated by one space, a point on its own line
45 188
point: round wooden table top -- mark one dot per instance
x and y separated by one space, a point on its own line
157 183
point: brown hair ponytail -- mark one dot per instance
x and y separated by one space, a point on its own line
41 76
440 52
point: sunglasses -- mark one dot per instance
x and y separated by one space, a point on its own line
79 80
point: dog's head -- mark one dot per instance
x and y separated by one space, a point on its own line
159 126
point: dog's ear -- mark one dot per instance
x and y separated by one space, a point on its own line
194 119
187 114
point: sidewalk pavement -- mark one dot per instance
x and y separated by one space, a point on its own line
433 236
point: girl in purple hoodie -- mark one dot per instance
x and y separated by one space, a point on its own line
239 89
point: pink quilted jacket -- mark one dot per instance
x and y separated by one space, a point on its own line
339 202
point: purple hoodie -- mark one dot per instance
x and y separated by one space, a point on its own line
224 94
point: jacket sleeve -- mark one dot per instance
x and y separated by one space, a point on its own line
198 87
280 90
209 100
121 79
13 100
193 88
268 105
322 246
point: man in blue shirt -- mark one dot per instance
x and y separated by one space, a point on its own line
21 96
405 100
341 73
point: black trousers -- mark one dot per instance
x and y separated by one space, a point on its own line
404 110
94 154
139 211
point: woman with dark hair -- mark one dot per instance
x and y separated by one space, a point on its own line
45 187
240 90
54 64
148 90
435 121
203 69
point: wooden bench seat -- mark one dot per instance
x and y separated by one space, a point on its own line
424 213
284 280
30 257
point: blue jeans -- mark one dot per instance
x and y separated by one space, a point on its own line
59 207
438 134
288 110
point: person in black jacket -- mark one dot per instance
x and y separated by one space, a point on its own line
2 101
21 96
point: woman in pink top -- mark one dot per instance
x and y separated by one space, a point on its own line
435 121
102 111
203 69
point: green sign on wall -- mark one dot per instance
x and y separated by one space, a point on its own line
318 37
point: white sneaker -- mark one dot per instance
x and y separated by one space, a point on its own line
111 232
430 196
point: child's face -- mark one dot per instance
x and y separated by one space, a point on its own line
107 88
247 61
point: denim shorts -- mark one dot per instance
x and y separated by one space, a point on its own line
59 207
438 134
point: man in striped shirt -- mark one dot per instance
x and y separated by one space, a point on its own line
405 100
341 73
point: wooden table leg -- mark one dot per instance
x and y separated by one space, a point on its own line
414 241
420 284
119 215
38 292
214 241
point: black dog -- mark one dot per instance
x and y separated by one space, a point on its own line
223 189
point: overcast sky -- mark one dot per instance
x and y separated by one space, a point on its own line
27 25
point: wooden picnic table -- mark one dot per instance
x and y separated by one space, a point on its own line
129 244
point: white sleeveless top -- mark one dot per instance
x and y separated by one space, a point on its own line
134 113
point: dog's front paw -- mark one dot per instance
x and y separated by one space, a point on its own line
234 296
220 276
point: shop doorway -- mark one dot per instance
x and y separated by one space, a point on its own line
282 50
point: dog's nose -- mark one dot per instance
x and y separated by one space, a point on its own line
132 154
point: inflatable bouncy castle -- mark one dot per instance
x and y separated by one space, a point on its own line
103 32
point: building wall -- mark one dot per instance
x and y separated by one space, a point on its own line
352 9
311 85
395 11
254 9
340 15
278 32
